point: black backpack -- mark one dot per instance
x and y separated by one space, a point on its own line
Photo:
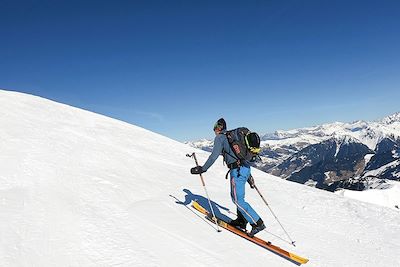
244 143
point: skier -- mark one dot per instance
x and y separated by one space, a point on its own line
239 175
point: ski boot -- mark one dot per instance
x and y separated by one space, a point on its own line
257 227
240 222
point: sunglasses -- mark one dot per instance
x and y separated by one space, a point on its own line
217 126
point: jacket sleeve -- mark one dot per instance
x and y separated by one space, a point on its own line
217 150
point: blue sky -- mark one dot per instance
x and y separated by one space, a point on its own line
175 67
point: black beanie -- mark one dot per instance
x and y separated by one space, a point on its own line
220 123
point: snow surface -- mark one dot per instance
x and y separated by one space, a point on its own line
81 189
385 197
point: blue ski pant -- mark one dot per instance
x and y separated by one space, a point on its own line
238 183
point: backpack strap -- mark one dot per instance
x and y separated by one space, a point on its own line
226 176
235 165
225 152
233 156
232 166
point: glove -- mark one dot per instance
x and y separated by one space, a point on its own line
196 170
250 180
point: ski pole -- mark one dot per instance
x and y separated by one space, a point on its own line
205 189
276 218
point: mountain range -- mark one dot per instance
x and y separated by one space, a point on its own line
333 155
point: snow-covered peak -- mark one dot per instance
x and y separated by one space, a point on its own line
368 133
391 118
345 139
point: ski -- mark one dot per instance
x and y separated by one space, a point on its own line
265 244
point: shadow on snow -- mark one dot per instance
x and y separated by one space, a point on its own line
203 201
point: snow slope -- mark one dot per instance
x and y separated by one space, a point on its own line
388 196
81 189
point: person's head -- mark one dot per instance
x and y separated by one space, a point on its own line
219 126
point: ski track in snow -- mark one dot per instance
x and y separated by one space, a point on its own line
81 189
